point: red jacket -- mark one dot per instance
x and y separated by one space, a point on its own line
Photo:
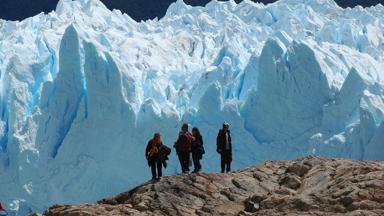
184 142
2 211
1 208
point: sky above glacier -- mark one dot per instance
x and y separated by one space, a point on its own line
137 9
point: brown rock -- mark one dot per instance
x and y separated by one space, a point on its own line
299 169
308 186
291 181
346 201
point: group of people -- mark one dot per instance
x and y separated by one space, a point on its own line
187 144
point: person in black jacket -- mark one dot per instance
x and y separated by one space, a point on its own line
224 148
152 153
197 149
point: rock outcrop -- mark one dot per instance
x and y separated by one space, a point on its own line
307 186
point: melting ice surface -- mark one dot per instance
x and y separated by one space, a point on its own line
83 88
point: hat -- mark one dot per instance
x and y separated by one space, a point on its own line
225 124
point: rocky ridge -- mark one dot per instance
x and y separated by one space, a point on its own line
306 186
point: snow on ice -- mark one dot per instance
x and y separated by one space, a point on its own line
83 88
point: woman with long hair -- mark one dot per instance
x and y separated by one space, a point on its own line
197 149
152 153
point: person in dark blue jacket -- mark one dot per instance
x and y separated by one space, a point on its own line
197 149
224 147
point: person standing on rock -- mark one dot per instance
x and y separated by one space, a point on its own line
224 147
183 147
152 153
197 149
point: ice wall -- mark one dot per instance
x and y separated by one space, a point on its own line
82 89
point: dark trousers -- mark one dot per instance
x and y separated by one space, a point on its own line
226 159
156 164
196 160
184 158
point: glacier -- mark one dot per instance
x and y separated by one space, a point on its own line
83 88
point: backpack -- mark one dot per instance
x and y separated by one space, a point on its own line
202 150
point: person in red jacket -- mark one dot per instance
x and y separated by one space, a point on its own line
183 147
2 211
